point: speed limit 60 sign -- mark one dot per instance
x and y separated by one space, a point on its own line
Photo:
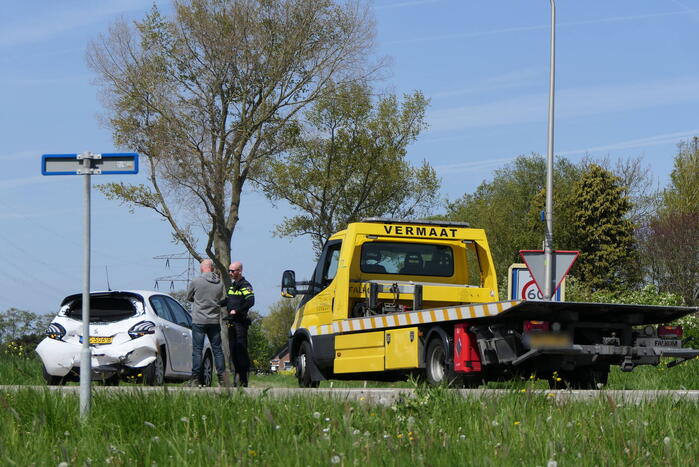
521 285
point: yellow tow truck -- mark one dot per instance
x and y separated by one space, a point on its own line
392 298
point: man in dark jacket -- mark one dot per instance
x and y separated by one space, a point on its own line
206 293
239 300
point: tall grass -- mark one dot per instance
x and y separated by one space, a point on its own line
436 427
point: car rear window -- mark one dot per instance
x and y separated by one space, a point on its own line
104 309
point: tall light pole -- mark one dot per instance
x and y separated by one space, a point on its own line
548 238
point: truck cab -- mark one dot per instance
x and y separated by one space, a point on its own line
380 268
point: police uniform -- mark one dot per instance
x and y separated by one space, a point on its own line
240 297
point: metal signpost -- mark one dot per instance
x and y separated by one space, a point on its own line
548 237
87 164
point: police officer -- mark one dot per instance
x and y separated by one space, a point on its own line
240 298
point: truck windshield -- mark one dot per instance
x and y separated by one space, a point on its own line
413 259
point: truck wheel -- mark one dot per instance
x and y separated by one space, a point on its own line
436 369
154 374
303 373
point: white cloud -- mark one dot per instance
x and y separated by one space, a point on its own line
42 24
12 183
636 143
20 155
667 138
586 101
12 215
509 80
404 4
468 35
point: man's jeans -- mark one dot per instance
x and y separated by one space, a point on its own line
214 333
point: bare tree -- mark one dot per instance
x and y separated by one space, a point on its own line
210 95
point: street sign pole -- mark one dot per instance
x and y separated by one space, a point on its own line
87 164
548 238
86 354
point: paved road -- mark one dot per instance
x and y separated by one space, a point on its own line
384 396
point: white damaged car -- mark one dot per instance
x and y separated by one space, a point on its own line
134 333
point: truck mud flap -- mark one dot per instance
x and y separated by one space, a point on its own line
627 352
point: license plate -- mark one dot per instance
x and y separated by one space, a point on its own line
98 340
657 342
549 340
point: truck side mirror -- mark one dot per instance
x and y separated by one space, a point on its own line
289 284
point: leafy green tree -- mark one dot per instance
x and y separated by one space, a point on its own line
277 323
210 96
683 193
349 163
22 326
259 349
605 237
508 207
670 241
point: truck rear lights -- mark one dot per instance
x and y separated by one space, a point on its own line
670 331
536 326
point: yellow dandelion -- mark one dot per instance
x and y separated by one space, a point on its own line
399 435
517 423
252 453
523 390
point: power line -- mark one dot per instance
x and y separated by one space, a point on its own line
184 276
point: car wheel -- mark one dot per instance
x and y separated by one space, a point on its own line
154 373
112 380
50 379
207 370
303 373
436 369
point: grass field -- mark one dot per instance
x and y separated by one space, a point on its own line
26 370
436 427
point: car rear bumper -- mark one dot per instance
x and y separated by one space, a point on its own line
61 357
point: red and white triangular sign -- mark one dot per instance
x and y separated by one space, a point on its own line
536 263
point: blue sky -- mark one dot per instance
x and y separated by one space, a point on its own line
627 85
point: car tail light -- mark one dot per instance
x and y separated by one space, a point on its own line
55 331
141 329
670 331
536 326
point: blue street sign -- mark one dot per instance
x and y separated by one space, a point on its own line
88 163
